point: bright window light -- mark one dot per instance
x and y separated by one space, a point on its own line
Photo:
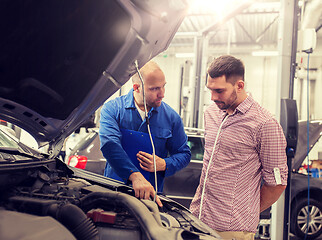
185 55
264 53
216 7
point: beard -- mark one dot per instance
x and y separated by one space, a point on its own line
154 104
229 103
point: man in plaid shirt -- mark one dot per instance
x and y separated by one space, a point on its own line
244 145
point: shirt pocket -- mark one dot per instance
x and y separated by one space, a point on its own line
161 133
160 137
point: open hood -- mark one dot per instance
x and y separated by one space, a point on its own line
315 132
60 60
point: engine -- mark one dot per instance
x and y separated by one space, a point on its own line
39 202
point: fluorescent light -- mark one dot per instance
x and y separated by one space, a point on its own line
264 53
185 55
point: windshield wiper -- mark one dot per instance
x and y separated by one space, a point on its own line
15 151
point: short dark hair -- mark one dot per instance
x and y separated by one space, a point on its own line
229 66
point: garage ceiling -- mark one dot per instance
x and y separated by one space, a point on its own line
243 28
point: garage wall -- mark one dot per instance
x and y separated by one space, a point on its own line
261 82
260 76
171 67
315 87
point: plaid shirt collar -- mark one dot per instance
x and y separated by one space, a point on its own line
243 107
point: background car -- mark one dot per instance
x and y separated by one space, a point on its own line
306 220
86 153
182 185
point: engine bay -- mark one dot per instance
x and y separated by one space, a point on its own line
49 199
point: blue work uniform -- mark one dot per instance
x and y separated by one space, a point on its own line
166 126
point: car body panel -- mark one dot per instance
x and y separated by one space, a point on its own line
35 227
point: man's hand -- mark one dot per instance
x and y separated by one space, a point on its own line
142 188
146 162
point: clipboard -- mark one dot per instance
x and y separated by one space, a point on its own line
133 142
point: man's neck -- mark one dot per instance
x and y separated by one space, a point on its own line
141 105
239 101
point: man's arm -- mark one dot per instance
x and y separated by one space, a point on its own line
269 195
273 157
142 188
111 147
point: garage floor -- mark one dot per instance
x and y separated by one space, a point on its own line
263 231
295 238
292 237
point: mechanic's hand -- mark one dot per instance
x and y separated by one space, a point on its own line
146 162
142 188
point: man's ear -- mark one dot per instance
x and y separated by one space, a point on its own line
136 87
240 84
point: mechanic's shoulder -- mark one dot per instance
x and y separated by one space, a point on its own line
169 110
115 102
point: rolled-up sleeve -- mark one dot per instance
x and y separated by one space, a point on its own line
273 154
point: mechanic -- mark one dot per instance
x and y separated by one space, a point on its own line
126 115
244 145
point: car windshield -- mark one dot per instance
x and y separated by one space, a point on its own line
196 147
11 149
6 141
315 132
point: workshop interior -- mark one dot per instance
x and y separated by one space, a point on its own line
61 61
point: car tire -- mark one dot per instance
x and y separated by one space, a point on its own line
299 219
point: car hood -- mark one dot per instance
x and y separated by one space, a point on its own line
60 60
315 132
